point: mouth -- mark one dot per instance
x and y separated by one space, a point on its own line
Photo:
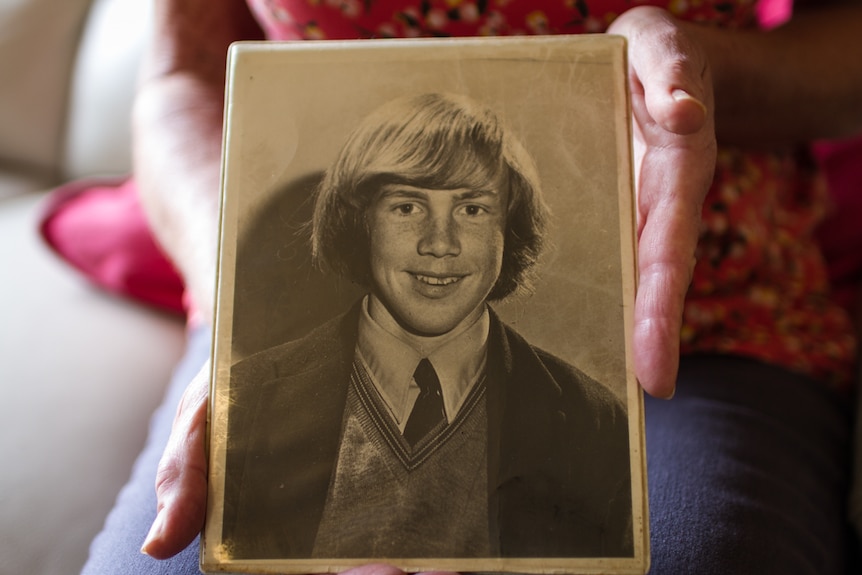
434 280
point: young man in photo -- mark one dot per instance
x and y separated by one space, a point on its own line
418 424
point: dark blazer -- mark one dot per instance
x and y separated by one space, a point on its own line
559 481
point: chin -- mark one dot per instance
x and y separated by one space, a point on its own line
428 330
428 327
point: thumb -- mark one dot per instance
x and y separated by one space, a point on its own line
669 70
682 114
181 479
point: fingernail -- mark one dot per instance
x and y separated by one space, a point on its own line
681 95
155 533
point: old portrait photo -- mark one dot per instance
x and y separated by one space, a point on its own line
399 366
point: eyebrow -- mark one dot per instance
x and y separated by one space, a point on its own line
397 191
475 194
408 192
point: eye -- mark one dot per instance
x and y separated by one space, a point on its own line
474 209
405 209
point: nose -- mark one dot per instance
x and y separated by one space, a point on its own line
439 237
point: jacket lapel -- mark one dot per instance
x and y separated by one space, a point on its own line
525 428
288 466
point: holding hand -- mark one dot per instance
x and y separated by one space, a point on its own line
675 148
181 480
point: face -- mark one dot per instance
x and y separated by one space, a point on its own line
435 254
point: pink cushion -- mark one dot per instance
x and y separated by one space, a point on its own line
98 226
841 234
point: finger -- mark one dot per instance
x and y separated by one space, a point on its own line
675 161
374 569
181 479
384 569
675 99
668 68
675 174
666 263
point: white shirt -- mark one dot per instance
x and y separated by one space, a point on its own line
390 355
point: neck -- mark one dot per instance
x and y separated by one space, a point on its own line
424 344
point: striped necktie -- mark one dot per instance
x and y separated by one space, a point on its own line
428 411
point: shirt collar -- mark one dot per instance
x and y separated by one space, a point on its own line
390 356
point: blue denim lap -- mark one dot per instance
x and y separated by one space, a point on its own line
748 473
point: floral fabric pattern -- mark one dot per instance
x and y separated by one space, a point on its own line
760 286
347 19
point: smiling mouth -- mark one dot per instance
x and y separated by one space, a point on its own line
437 280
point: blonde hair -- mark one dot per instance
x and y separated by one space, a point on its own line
433 141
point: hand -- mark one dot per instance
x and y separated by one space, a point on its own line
181 479
674 132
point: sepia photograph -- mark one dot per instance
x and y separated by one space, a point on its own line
422 338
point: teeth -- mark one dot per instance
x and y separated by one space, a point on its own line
434 281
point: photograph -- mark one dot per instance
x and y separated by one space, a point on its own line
426 284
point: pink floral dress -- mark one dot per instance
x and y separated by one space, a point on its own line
760 287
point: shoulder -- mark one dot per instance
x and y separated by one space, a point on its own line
280 383
575 383
548 374
558 421
328 344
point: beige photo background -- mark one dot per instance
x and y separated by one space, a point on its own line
292 108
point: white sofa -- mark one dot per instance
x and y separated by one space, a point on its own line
80 370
